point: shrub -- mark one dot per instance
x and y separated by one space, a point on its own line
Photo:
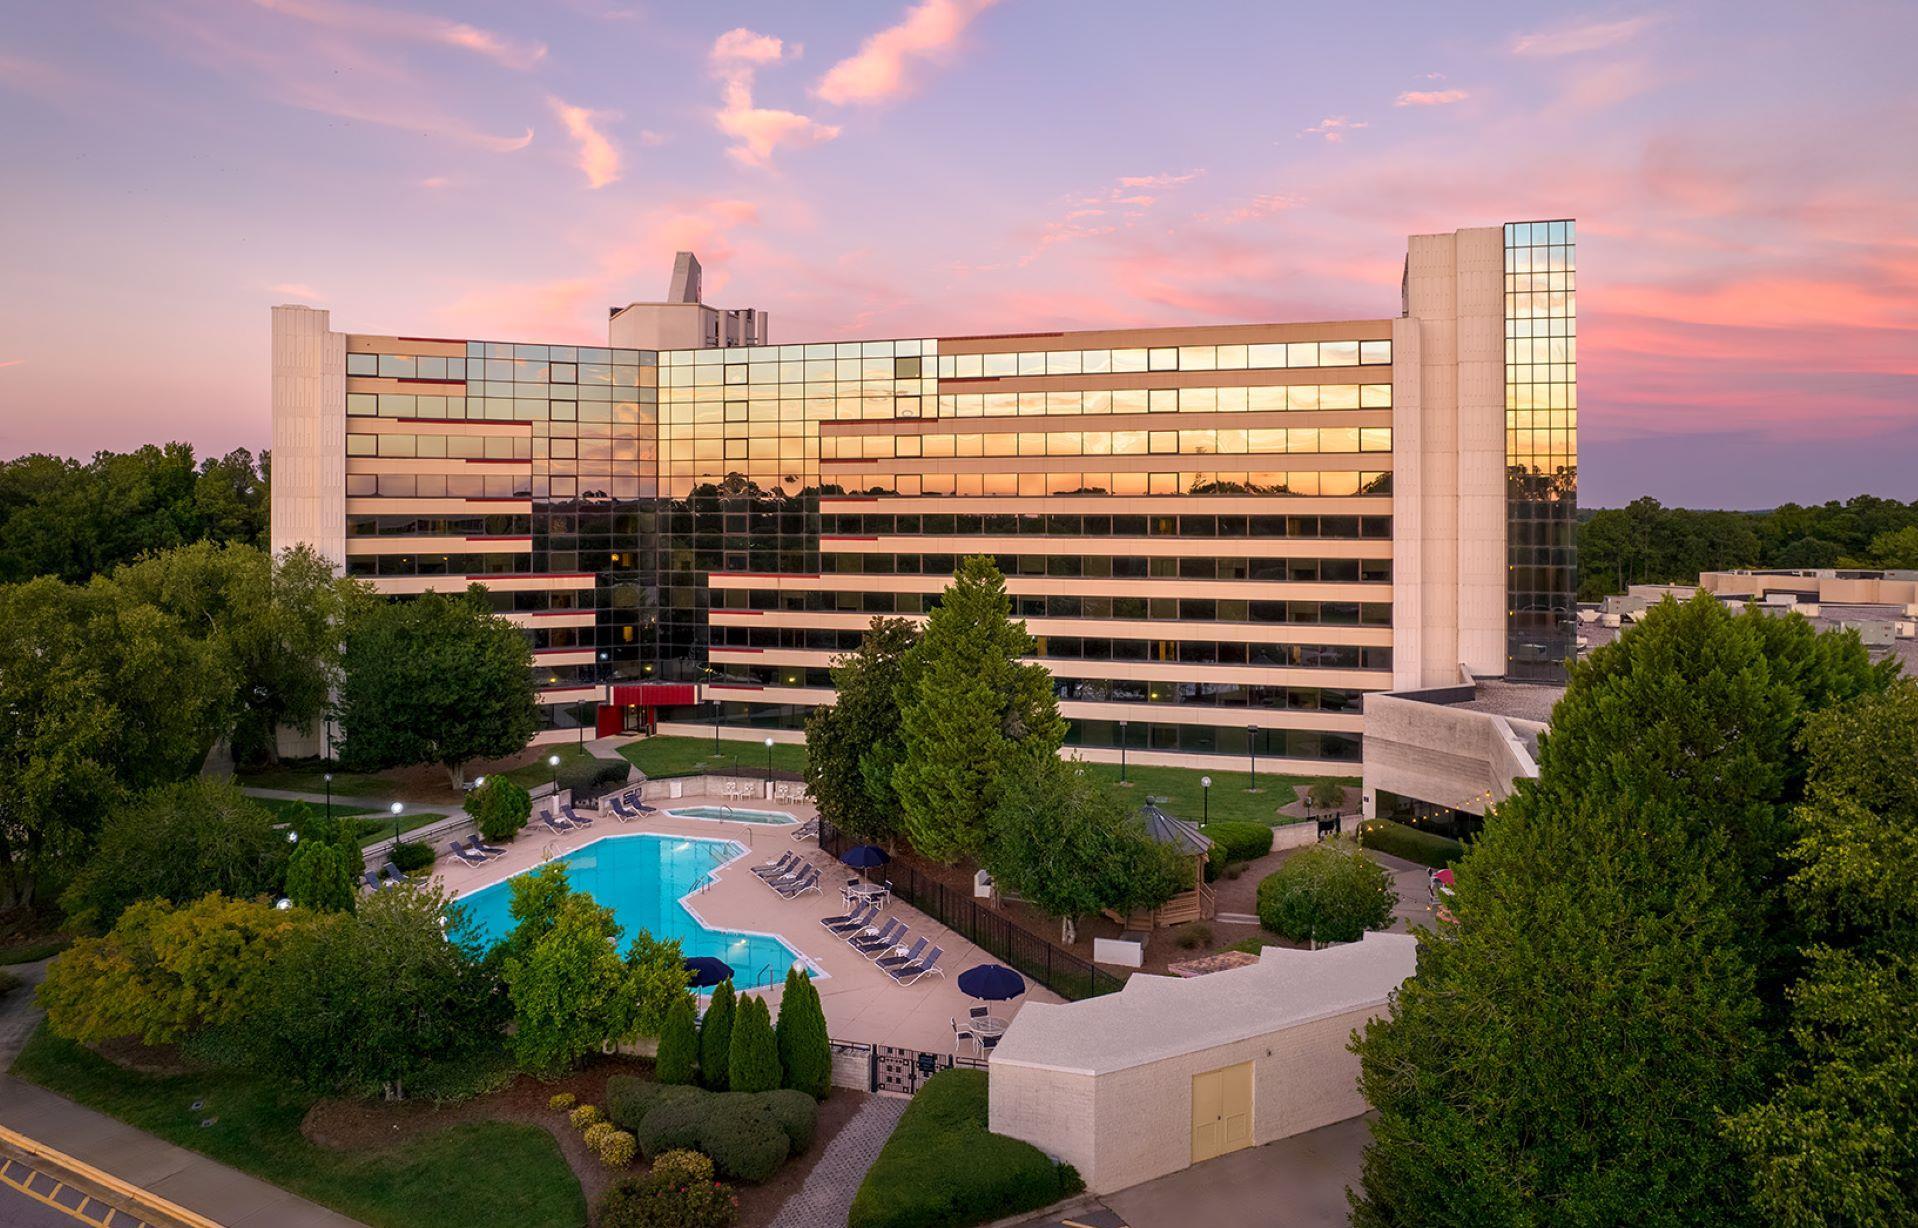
796 1112
943 1169
411 855
673 1123
616 1148
1424 847
715 1039
1236 840
584 1116
592 1134
323 876
1326 794
629 1099
684 1165
678 1058
500 808
744 1139
754 1060
660 1200
561 1102
582 776
1329 892
1192 937
805 1050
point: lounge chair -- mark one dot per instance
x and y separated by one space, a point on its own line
799 887
372 881
849 922
620 810
806 830
545 820
885 959
488 851
465 854
639 806
391 874
798 871
906 974
874 941
573 816
777 869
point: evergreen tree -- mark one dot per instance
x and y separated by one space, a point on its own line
805 1050
753 1064
716 1038
320 876
678 1058
1567 1052
853 744
568 991
970 710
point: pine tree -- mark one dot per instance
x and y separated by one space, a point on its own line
969 710
678 1056
716 1038
754 1064
318 876
805 1051
853 743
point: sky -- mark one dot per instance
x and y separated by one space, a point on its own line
1744 175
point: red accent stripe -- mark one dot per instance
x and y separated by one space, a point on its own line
421 379
985 336
837 537
486 460
740 613
769 575
824 499
734 686
435 340
461 421
736 650
500 537
553 613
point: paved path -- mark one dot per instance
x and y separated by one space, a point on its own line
826 1197
193 1181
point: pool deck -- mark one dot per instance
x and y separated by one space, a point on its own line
861 1002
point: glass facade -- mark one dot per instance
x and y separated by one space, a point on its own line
1541 448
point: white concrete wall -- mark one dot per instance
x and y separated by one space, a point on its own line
309 433
1135 1124
1446 755
1482 567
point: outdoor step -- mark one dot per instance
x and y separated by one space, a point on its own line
1236 918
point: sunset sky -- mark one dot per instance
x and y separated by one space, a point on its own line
1744 175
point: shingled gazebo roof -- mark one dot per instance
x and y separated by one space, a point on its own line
1179 833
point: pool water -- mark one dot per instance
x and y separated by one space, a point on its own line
733 813
642 879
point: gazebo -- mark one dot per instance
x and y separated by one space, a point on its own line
1193 905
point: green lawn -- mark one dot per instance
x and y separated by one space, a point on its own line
1185 797
669 756
306 777
469 1176
286 807
374 824
26 949
540 772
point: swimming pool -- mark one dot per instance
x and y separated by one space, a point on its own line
643 879
734 813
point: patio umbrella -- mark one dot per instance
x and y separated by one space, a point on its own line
706 971
865 856
991 983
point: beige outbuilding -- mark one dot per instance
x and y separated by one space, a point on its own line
1170 1072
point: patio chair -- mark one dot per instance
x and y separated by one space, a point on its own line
555 819
806 830
372 881
805 882
488 851
777 869
880 941
988 1043
850 922
391 875
545 820
573 816
907 974
979 1012
912 954
960 1034
465 854
620 809
638 804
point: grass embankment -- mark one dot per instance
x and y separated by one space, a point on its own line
539 772
676 756
1185 796
374 825
308 776
468 1176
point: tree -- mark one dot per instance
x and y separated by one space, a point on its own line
1327 892
1326 794
1568 1050
176 843
435 679
970 710
374 999
1898 549
1066 842
656 980
567 989
753 1061
678 1056
853 745
164 971
1836 1142
321 875
716 1038
805 1048
533 902
500 808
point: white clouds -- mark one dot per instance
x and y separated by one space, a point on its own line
1574 40
1157 181
396 24
881 70
297 290
1430 98
758 132
598 156
1333 128
1259 206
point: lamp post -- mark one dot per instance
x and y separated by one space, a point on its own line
328 778
769 765
1122 741
396 808
1252 744
552 761
1205 791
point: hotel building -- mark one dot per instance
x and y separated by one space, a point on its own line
1221 537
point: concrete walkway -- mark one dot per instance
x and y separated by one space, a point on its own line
826 1197
193 1181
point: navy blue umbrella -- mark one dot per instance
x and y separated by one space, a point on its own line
991 983
706 971
865 856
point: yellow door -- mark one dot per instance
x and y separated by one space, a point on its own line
1221 1111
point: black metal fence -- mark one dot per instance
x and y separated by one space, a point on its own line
1017 947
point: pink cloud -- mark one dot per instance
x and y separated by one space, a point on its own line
1431 98
1158 181
879 72
383 23
11 362
1577 39
598 156
299 290
743 46
1333 128
758 132
1259 206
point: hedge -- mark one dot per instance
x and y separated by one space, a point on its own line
1328 892
590 776
1423 847
411 856
748 1135
1235 840
943 1169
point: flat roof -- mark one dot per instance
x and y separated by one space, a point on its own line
1156 1017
